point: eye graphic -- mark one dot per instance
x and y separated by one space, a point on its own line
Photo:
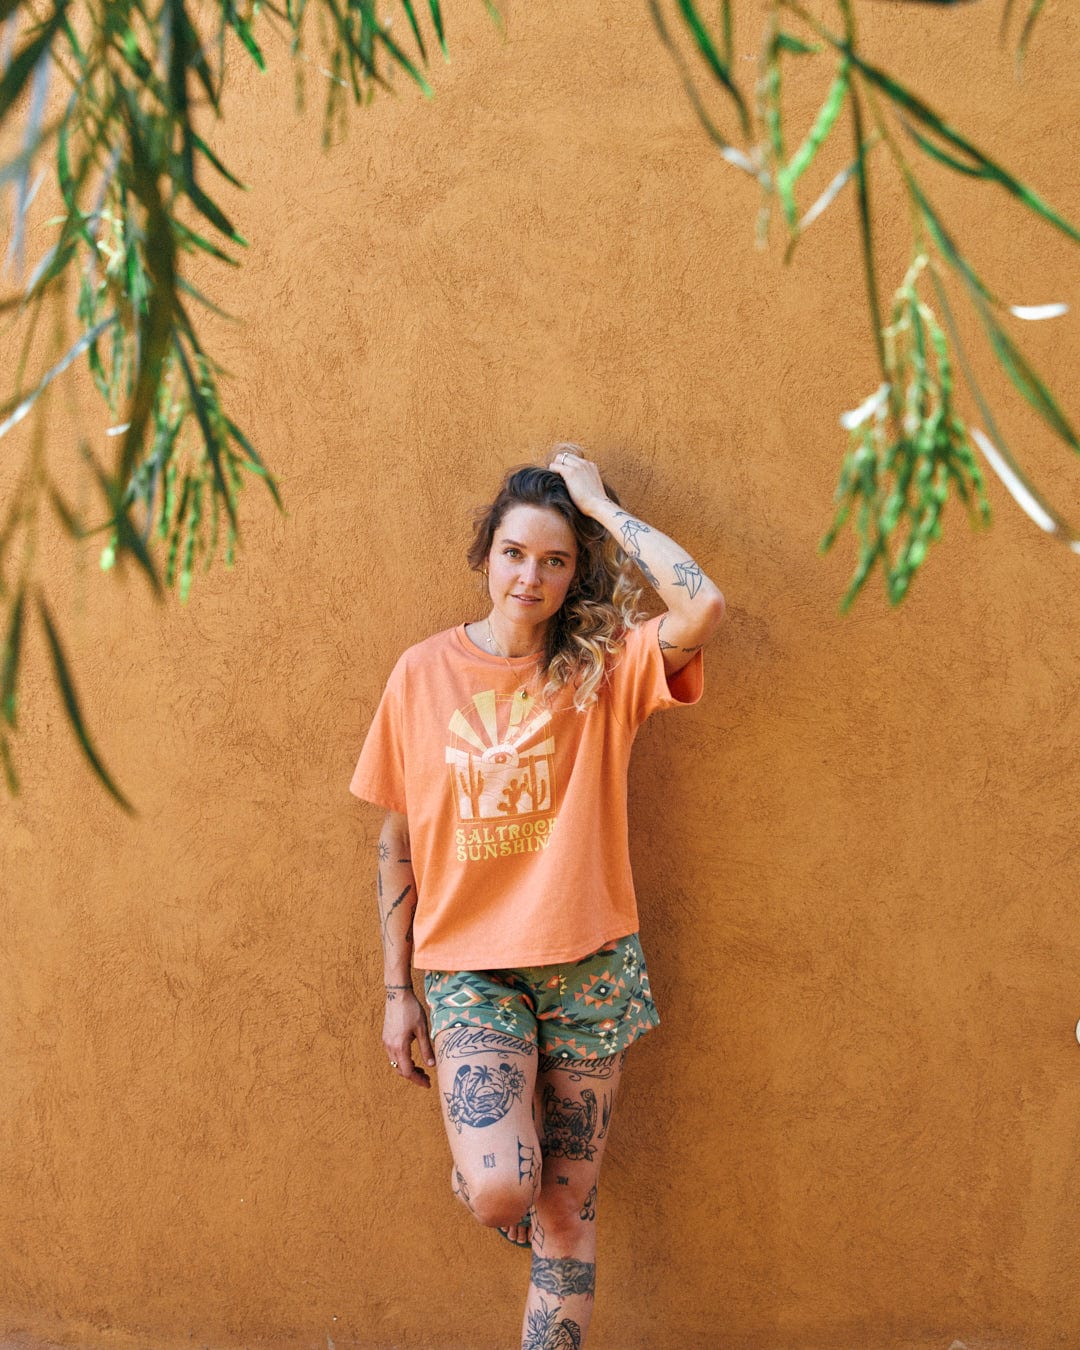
499 754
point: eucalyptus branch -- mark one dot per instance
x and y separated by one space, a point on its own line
910 449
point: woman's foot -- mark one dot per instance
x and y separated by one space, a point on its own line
520 1234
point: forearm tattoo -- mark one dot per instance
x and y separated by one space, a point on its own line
462 1042
389 912
563 1275
689 575
481 1096
547 1331
630 529
665 646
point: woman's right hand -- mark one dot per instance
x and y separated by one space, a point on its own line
404 1022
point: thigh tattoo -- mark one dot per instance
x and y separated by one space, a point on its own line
481 1096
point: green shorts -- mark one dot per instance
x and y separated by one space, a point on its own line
585 1009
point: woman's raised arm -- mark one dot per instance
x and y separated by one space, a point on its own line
694 603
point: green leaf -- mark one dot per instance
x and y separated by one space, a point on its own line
71 703
708 50
437 20
9 766
75 350
213 448
866 235
907 100
404 62
161 264
9 670
256 466
818 133
242 29
22 66
407 6
1012 360
787 43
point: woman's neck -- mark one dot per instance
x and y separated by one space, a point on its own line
511 640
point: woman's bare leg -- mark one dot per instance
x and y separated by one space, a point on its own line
574 1105
487 1080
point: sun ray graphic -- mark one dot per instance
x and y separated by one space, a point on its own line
501 757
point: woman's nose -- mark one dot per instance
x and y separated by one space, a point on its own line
530 571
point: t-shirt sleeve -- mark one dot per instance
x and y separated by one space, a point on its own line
642 685
379 775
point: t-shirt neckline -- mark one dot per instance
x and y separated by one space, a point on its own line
491 658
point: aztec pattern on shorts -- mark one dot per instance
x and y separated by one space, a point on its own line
585 1009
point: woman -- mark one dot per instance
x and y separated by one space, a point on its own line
500 751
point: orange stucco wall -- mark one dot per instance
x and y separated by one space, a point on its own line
859 1124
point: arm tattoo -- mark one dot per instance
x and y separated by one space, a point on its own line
688 575
545 1330
630 529
384 850
562 1275
461 1042
665 646
481 1096
390 911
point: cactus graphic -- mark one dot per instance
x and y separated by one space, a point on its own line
512 795
538 789
473 786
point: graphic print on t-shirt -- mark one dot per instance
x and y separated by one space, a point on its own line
501 758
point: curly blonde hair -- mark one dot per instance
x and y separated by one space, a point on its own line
605 598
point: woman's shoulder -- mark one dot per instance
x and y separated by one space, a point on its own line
429 648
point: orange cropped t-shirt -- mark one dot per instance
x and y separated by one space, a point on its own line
516 808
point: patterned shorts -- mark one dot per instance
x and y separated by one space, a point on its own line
586 1009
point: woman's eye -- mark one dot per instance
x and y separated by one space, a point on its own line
509 552
555 562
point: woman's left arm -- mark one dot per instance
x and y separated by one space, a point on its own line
695 605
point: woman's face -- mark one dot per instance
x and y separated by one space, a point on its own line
531 564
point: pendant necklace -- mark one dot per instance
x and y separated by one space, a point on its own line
524 692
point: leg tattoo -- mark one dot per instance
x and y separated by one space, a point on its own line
569 1125
527 1168
545 1330
563 1275
482 1096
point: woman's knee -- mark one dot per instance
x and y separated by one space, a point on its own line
496 1200
564 1205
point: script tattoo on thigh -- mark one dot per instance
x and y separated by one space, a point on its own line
546 1331
569 1125
588 1209
527 1169
461 1042
577 1069
563 1275
481 1095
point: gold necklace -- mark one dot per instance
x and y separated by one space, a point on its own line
523 692
499 651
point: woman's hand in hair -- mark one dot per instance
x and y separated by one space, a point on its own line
582 479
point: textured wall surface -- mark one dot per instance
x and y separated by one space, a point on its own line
859 1125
